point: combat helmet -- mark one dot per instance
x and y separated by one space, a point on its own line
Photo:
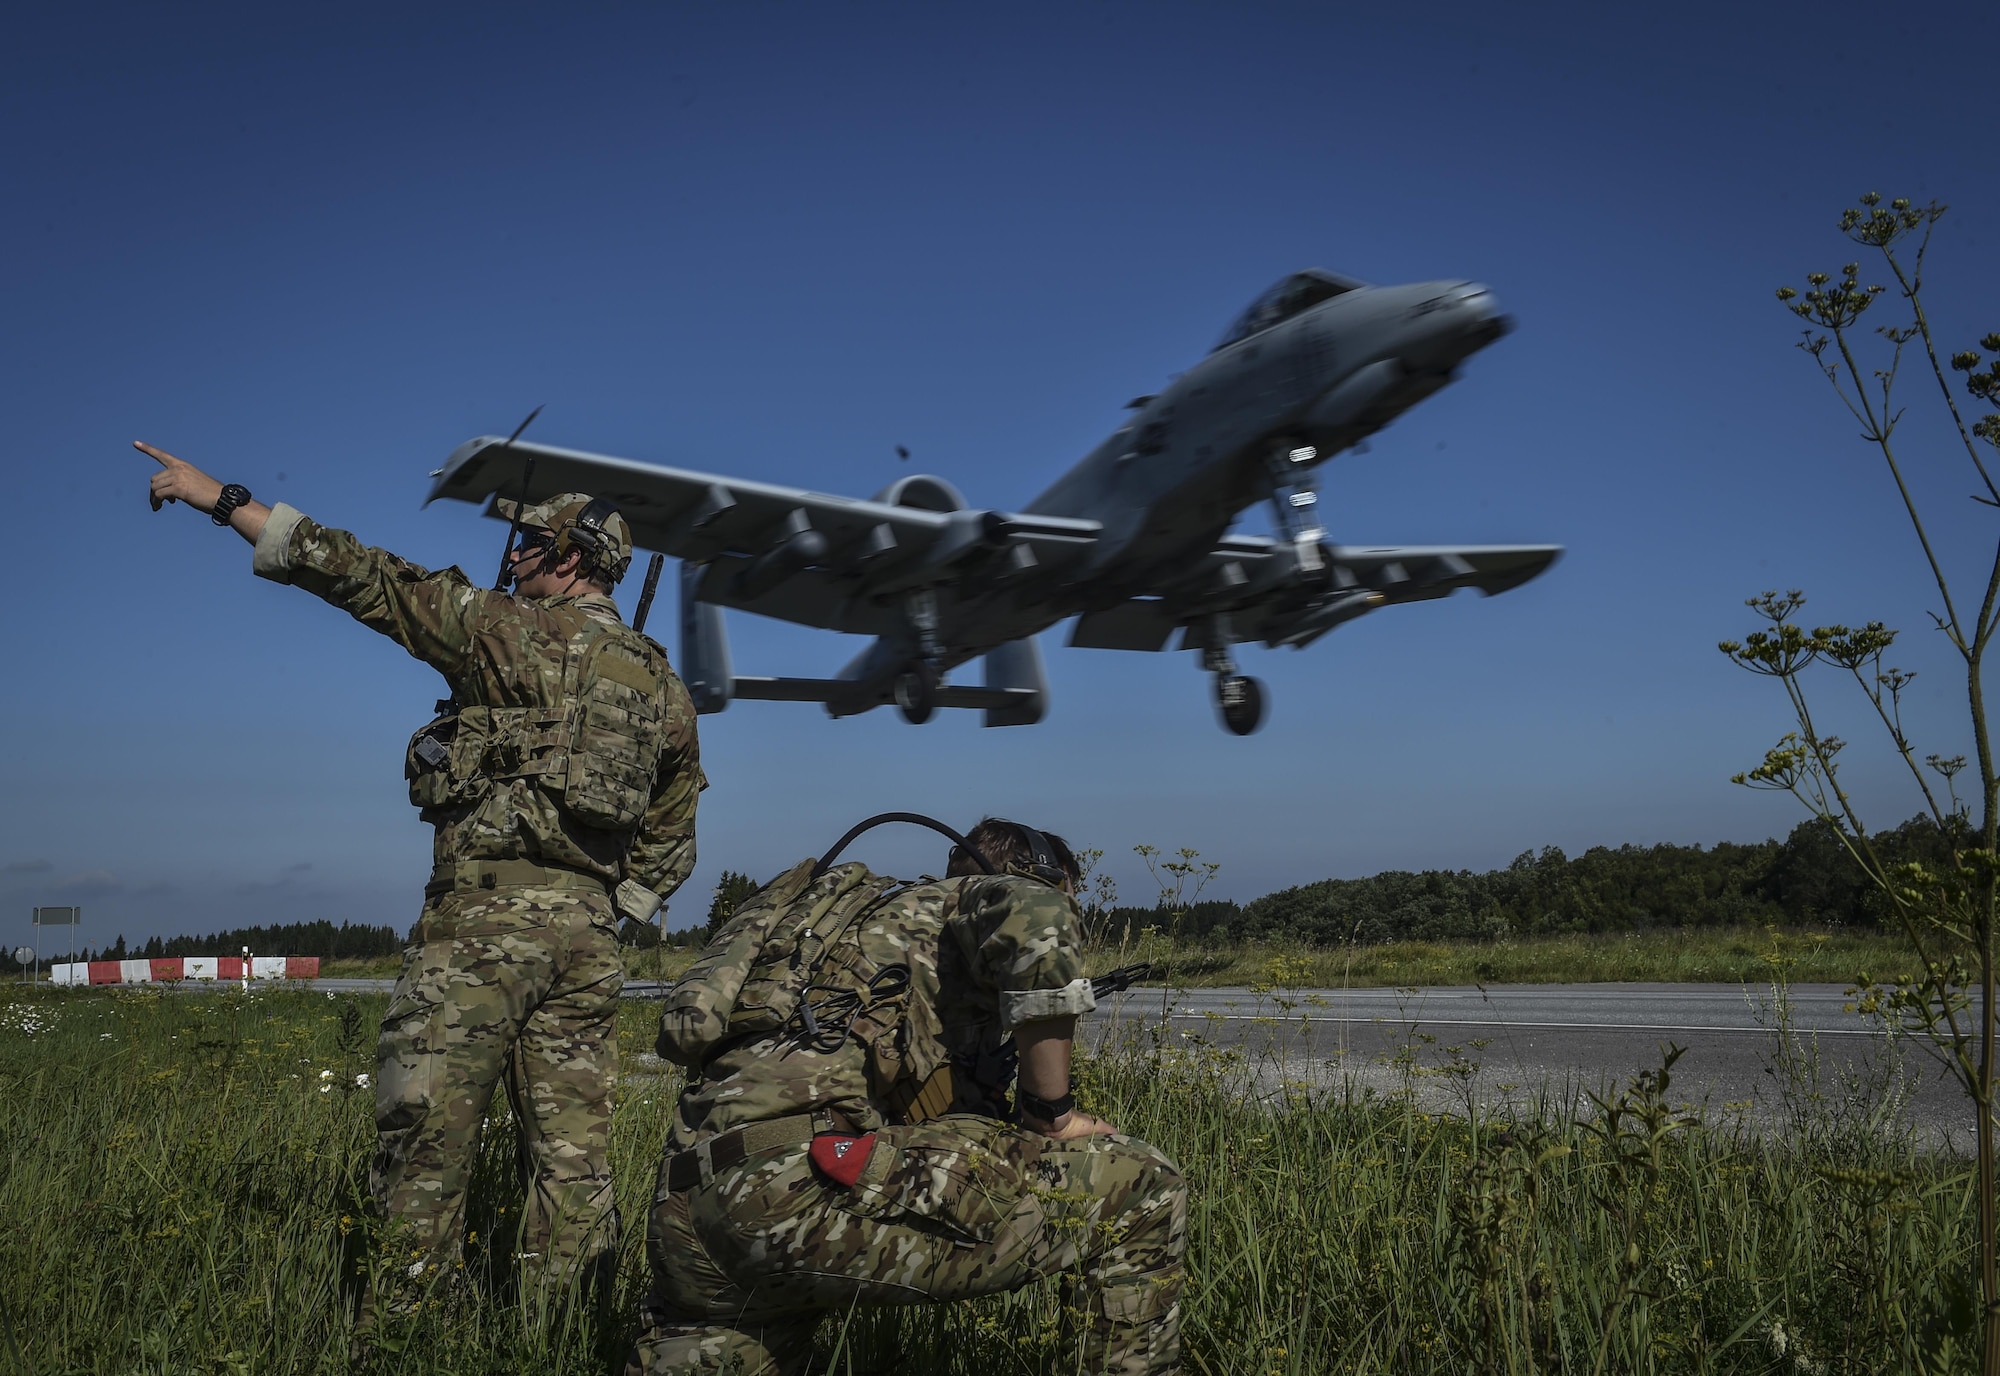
591 525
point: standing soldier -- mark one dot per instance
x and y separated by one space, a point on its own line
846 1137
561 776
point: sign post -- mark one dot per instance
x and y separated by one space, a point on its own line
25 955
61 917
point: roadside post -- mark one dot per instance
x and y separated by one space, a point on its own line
246 969
62 917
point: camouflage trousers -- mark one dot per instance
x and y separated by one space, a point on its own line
513 986
745 1266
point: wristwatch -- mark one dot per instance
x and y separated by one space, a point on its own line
1045 1110
233 496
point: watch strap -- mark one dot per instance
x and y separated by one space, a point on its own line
233 496
1045 1110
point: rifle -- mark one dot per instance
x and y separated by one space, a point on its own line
1119 980
653 567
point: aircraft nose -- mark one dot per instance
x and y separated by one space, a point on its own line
1479 310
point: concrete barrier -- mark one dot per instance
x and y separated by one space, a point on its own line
158 970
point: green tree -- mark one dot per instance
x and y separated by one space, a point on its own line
730 892
1943 901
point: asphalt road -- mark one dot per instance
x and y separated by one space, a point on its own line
1529 1040
1566 1039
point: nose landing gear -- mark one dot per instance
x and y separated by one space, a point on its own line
1238 697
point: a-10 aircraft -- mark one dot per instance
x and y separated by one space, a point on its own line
1134 541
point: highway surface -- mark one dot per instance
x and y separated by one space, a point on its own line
1532 1039
1528 1040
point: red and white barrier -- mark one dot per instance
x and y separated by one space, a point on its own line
169 968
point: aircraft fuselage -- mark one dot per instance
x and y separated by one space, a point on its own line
1190 460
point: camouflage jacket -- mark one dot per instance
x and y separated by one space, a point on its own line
988 952
501 651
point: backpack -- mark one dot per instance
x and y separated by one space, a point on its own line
798 958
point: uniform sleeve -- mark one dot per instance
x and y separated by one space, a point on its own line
1024 939
432 615
662 853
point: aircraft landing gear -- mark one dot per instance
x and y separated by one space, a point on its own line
1238 697
916 692
1241 701
916 685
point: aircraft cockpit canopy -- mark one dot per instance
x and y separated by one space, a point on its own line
1301 291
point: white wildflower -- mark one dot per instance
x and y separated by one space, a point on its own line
361 1080
326 1074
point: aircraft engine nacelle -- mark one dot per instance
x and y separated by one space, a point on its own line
924 492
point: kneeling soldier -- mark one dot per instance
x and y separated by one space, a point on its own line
561 777
845 1137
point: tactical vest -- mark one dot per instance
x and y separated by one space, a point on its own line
800 960
595 755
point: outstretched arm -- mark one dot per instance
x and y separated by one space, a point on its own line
180 481
432 615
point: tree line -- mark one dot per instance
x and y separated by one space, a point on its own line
348 941
1805 880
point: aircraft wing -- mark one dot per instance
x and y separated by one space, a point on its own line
808 557
1271 591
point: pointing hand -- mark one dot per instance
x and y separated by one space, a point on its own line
180 481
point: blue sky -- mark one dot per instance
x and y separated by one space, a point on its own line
315 250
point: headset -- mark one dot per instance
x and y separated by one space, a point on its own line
587 536
1043 863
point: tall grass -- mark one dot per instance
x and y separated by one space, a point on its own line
1718 955
183 1194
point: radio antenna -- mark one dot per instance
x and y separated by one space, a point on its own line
653 567
527 480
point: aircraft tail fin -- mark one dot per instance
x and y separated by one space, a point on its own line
1016 670
705 666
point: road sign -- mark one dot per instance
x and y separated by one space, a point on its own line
23 954
71 918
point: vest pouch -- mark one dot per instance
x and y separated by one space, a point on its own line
442 761
616 734
427 762
909 1070
696 1014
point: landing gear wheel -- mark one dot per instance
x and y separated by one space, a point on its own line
1241 700
916 693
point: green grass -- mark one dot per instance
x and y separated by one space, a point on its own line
1724 956
1729 955
183 1194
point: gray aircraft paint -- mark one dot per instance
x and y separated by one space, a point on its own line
1133 540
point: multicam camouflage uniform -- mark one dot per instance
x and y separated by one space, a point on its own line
746 1261
512 971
